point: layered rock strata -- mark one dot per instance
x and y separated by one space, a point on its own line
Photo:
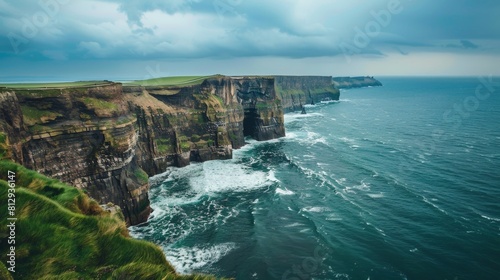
296 91
107 138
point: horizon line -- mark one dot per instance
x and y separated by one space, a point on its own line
31 79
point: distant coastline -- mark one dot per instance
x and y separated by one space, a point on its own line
355 82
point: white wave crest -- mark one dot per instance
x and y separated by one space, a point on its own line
376 195
187 259
284 191
315 209
293 117
221 176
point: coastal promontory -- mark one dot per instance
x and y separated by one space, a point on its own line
107 138
355 82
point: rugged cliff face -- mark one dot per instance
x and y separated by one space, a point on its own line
12 122
107 138
254 97
296 91
355 82
82 136
61 233
177 125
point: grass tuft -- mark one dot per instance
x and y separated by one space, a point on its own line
99 104
63 234
33 116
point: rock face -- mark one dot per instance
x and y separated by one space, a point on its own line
177 125
83 136
355 82
296 91
12 122
106 139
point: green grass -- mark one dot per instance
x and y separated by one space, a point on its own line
34 116
164 146
4 273
185 146
184 143
141 175
4 146
263 105
38 128
210 142
63 234
171 81
195 138
219 99
54 85
38 93
99 104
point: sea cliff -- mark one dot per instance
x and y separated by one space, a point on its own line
296 91
84 136
355 82
60 233
106 138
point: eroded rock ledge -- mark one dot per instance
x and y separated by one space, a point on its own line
108 138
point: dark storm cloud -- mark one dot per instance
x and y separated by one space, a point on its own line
116 30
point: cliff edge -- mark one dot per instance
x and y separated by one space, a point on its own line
60 233
296 91
106 138
355 82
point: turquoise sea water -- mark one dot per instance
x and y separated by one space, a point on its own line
395 182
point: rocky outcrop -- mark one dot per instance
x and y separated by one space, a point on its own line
296 91
355 82
107 138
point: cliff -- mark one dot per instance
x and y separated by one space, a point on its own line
105 138
180 124
84 136
295 91
60 233
355 82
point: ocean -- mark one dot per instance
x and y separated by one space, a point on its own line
393 182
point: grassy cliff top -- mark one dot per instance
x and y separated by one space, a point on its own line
55 85
163 81
63 234
171 81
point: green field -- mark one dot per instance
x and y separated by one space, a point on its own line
164 81
54 85
171 81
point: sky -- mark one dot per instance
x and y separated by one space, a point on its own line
137 39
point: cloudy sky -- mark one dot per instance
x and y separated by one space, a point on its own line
136 39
